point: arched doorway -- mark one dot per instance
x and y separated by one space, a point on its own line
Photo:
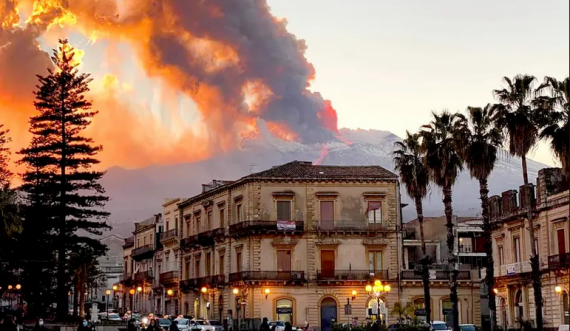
503 312
328 313
284 310
373 311
519 307
447 310
420 307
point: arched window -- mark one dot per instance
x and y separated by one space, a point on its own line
284 310
328 313
420 306
447 310
519 312
372 311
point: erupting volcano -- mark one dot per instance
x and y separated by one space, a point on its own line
234 59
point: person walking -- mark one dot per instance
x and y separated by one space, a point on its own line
83 326
264 325
8 324
288 327
174 326
39 325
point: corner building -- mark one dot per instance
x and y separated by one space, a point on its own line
292 243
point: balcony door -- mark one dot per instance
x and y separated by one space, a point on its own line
284 260
327 263
561 241
327 215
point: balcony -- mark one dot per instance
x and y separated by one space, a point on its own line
248 228
209 237
143 252
559 261
351 227
144 276
351 275
169 277
211 281
169 236
189 242
250 277
439 275
188 285
126 278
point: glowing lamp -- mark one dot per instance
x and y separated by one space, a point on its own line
558 289
495 290
387 288
354 293
9 287
204 289
18 286
170 292
115 287
235 291
381 288
132 291
377 283
139 289
266 292
108 292
368 288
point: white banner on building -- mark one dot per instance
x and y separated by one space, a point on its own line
285 225
432 274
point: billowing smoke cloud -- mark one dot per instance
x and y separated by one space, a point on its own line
233 58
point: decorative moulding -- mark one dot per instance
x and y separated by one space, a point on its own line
326 194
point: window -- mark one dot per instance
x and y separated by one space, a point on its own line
536 245
197 268
327 215
517 249
139 242
283 260
221 268
374 261
150 241
187 270
374 212
209 219
197 223
208 263
238 212
284 309
188 229
144 241
327 263
447 311
167 263
500 250
561 241
283 210
238 262
222 217
167 224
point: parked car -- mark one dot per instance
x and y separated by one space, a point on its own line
218 326
468 327
201 324
164 323
439 326
183 324
280 325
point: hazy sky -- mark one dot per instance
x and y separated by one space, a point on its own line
386 64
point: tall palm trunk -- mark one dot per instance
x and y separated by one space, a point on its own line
489 265
451 257
536 275
425 259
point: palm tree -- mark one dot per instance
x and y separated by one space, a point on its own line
443 139
557 128
480 154
516 116
409 162
400 309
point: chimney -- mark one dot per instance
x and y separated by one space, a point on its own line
550 181
526 197
509 201
495 206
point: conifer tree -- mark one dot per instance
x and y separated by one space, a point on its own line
59 176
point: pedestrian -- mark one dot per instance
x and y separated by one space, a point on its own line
306 327
288 327
174 326
83 326
264 325
8 324
39 325
131 325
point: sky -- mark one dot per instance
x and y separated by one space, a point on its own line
387 64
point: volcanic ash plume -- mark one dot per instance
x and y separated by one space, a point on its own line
232 57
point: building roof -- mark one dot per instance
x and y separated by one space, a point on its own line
307 170
303 170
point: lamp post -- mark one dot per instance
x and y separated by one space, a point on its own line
377 290
139 290
132 293
170 293
115 298
107 292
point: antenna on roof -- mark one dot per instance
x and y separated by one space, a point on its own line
251 168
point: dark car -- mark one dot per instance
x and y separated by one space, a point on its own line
164 323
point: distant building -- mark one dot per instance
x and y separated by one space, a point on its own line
111 264
468 248
512 250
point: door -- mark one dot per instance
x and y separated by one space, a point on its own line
327 264
561 241
328 313
327 215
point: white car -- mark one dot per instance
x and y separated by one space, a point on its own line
200 324
183 324
218 326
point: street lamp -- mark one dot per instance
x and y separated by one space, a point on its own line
204 290
558 289
132 293
377 290
267 291
354 293
107 292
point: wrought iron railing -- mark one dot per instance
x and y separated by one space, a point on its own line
351 226
439 275
144 275
170 234
559 261
168 277
267 276
211 281
252 227
142 250
365 275
189 242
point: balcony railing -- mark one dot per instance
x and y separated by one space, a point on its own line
351 227
168 277
352 275
189 242
211 281
139 251
439 275
209 237
266 227
168 235
144 275
248 276
559 261
125 277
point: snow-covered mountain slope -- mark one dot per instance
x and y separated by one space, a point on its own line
137 194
